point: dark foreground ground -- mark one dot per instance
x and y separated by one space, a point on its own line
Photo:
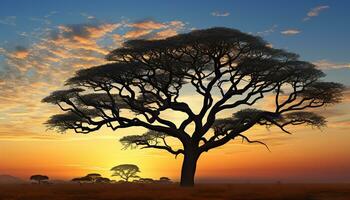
171 192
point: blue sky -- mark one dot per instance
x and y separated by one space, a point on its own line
327 33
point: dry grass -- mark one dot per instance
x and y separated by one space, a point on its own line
172 192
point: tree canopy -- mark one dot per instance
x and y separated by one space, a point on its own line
91 178
225 68
126 171
39 178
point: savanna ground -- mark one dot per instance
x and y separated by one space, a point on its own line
172 192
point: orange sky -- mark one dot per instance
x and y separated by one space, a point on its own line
307 155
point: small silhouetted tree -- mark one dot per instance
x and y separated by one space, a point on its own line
126 171
39 178
84 179
102 180
224 69
164 180
77 180
91 178
146 180
94 176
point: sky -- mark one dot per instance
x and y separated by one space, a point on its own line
42 43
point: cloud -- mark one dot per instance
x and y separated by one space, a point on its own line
81 36
314 12
42 20
51 14
9 20
220 14
290 32
87 16
326 64
166 33
20 52
268 31
153 30
148 25
117 38
269 45
137 33
172 29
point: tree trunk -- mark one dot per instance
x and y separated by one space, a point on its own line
188 169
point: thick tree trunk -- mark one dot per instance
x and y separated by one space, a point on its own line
188 169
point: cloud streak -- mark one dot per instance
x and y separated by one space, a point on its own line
153 30
272 29
326 65
314 12
9 20
220 14
290 32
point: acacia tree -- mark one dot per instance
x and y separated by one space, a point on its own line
226 69
39 178
94 177
84 179
126 171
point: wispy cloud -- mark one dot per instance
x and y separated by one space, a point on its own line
326 64
137 33
50 14
314 12
267 31
290 32
9 20
87 16
20 52
153 30
220 14
44 20
149 24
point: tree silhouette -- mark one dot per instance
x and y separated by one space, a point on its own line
102 180
145 82
77 180
164 180
94 177
91 178
145 180
84 179
126 171
39 178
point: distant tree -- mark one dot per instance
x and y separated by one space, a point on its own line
146 180
94 176
164 180
126 171
77 180
84 179
102 180
227 70
39 178
91 178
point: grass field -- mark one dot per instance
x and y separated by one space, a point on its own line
171 192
